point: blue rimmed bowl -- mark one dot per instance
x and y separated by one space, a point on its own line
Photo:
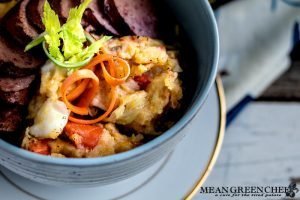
197 19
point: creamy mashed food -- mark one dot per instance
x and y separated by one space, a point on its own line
151 88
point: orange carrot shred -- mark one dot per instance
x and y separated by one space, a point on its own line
115 73
75 93
103 116
77 76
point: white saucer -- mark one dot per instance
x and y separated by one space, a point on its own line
177 176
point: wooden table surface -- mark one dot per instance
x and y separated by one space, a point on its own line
261 145
286 88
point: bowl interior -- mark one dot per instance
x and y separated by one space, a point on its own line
197 20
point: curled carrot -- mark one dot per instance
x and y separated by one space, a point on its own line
75 93
122 73
97 60
80 75
115 72
103 116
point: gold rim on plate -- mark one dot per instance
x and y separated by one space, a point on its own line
218 144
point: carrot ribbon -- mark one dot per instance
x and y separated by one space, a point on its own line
115 72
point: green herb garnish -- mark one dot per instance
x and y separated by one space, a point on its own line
64 45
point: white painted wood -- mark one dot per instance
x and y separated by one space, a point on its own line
255 41
261 147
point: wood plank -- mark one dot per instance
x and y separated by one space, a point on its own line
261 147
286 88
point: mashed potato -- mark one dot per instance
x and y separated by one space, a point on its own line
147 56
152 88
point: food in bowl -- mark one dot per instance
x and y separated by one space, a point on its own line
198 58
97 95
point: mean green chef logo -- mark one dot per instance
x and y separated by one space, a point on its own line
292 190
252 191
